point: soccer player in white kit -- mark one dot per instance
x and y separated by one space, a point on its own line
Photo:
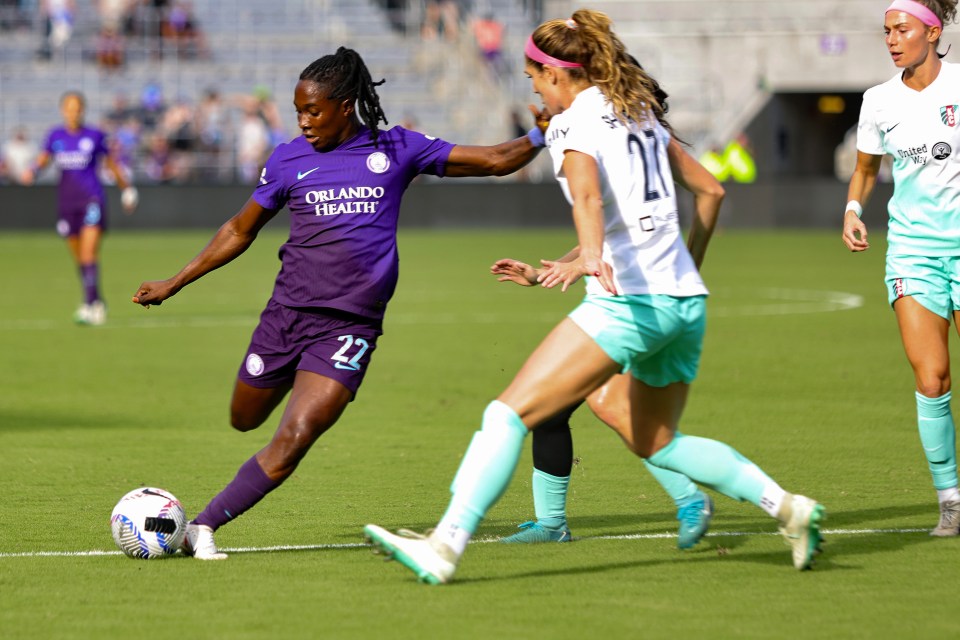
915 117
644 312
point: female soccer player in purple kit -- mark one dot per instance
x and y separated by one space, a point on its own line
342 181
76 150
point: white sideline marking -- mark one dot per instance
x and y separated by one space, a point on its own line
791 302
766 302
360 545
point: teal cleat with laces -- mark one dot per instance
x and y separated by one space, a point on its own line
694 517
535 533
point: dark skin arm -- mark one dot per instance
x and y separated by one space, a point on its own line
497 160
232 239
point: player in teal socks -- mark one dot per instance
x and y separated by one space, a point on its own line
553 442
915 118
645 309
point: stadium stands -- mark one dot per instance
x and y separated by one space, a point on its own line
719 60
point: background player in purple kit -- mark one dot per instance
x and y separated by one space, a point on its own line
342 181
76 150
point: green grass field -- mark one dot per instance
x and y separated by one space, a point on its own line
803 372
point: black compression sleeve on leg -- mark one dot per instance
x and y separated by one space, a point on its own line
553 444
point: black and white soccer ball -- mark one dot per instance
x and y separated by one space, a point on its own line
148 523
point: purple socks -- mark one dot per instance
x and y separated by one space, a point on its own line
244 491
90 277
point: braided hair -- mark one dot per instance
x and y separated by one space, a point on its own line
346 77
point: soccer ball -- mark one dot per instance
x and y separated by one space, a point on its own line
148 523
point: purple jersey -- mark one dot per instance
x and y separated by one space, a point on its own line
77 156
344 205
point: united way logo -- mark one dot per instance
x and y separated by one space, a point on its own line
254 364
378 162
949 114
941 151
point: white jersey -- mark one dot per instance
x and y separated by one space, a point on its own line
642 238
921 130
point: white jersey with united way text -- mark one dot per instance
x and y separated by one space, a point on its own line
642 238
921 130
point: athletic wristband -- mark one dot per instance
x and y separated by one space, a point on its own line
854 206
536 137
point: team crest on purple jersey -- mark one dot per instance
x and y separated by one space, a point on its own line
255 364
949 114
378 162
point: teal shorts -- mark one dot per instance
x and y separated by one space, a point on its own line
656 338
933 282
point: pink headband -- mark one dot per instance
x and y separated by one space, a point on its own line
916 10
533 52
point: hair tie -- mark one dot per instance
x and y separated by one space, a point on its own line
571 23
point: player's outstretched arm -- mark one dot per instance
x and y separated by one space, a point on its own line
500 159
707 197
232 239
862 181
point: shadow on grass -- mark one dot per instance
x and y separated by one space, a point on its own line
13 421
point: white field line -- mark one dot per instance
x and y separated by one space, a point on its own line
360 545
767 302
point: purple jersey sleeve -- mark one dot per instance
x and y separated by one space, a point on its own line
344 206
271 192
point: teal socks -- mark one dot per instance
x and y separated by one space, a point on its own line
550 499
715 465
678 486
486 469
939 439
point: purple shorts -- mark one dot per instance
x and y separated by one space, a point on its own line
79 214
328 342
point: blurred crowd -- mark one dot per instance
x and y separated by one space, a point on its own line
159 28
217 139
448 20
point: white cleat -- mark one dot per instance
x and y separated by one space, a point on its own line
431 564
802 531
97 314
949 524
198 542
82 314
93 314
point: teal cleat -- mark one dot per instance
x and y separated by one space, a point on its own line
533 533
694 517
